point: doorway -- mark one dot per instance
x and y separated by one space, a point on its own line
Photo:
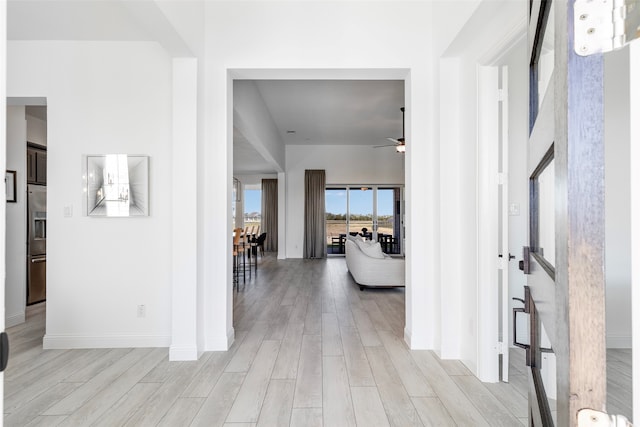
25 280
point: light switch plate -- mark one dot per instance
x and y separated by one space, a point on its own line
514 209
68 211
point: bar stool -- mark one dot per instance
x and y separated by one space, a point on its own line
238 248
246 242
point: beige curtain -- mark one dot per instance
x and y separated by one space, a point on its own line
269 223
315 245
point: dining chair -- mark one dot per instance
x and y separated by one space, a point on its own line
258 243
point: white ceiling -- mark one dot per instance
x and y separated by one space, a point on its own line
72 20
335 112
327 112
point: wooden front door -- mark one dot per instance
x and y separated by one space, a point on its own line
565 257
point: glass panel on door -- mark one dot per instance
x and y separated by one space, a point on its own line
335 219
546 214
361 211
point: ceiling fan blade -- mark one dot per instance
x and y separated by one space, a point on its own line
397 141
387 145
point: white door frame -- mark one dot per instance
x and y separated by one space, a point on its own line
488 214
416 294
3 162
493 164
634 135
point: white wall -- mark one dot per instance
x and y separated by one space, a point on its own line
618 206
16 248
448 343
350 164
103 97
36 130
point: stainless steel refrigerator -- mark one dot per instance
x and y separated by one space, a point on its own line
36 243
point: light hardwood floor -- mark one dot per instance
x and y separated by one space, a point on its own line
311 349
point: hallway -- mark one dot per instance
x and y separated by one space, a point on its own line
311 349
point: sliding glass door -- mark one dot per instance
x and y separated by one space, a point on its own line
361 211
370 211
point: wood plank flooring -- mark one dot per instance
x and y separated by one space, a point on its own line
311 349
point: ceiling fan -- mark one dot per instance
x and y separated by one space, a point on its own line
398 143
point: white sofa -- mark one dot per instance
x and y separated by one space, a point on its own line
373 268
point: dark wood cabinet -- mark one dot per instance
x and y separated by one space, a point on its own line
31 165
36 165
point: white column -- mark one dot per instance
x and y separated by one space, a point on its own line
422 228
487 241
184 205
448 346
16 218
216 186
634 134
3 160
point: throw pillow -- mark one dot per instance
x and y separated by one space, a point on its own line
363 243
372 250
353 238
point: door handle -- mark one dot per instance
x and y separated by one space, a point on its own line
525 264
517 310
4 351
40 259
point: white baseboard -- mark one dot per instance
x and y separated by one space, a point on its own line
221 343
416 341
185 353
63 342
407 337
14 320
619 341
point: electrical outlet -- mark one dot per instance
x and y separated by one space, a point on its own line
142 310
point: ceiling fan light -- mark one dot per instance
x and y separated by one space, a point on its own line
400 148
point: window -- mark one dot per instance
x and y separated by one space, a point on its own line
252 207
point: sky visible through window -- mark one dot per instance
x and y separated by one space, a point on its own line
252 201
336 201
361 202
